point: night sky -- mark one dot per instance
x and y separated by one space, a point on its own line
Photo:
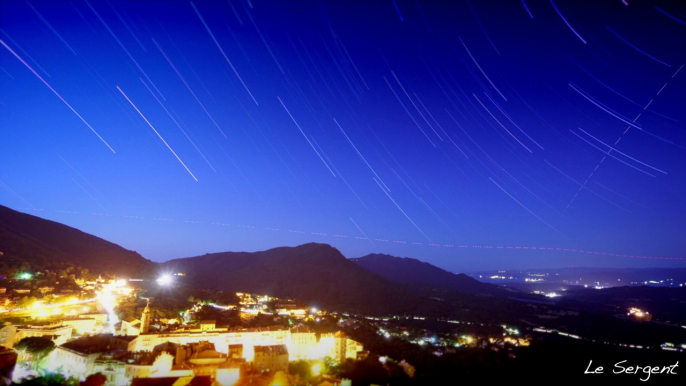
472 135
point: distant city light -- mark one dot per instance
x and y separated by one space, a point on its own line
633 311
164 280
25 276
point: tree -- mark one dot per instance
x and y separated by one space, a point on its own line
301 368
51 379
35 347
207 313
96 379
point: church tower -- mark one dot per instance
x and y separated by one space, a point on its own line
145 319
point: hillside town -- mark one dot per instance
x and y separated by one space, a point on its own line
79 335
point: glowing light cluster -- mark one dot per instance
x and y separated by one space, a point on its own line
108 300
638 313
165 280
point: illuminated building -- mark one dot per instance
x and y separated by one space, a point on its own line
208 325
111 368
81 325
108 355
145 319
99 317
302 343
78 357
271 358
58 333
245 299
130 326
192 351
517 341
221 338
236 351
352 348
44 290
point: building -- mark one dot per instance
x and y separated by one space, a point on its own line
222 338
111 366
130 327
204 350
81 325
100 318
300 341
145 320
270 359
353 349
11 334
159 364
208 325
303 343
236 352
107 355
91 354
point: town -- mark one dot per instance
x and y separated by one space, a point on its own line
80 326
77 333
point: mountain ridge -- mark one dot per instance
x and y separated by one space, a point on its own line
315 273
410 270
25 238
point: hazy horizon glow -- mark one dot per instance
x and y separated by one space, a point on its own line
471 135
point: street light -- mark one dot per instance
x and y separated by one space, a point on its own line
164 280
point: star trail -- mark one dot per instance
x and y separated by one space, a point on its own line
469 134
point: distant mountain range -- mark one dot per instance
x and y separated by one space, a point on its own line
320 275
315 273
50 245
412 271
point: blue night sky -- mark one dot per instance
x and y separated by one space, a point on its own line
466 134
